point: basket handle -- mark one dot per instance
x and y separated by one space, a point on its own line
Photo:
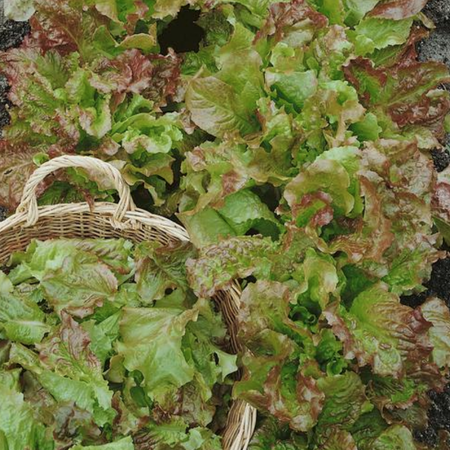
28 203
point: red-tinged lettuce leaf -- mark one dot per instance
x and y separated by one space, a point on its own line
69 27
273 383
327 176
405 54
90 28
164 8
290 252
373 234
131 72
395 164
218 265
47 97
159 268
314 210
202 344
103 335
371 432
214 171
381 332
16 166
68 370
441 201
165 79
404 92
40 256
367 79
436 312
272 379
128 11
398 9
217 177
327 114
68 345
390 394
294 23
115 253
65 419
404 401
265 305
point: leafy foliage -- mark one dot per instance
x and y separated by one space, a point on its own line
107 358
293 145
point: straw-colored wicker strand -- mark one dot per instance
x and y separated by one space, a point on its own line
105 220
29 202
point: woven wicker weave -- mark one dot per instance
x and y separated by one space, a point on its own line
109 220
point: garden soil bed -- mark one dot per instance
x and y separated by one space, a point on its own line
436 47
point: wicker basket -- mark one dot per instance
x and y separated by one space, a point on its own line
109 220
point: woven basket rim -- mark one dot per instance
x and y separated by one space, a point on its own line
122 217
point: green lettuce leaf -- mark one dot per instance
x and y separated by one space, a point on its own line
174 435
21 319
217 108
122 444
151 343
374 33
318 277
395 437
18 427
345 401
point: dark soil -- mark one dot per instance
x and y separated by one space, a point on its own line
11 35
438 10
437 47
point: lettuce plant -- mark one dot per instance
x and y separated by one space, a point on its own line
105 346
294 146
